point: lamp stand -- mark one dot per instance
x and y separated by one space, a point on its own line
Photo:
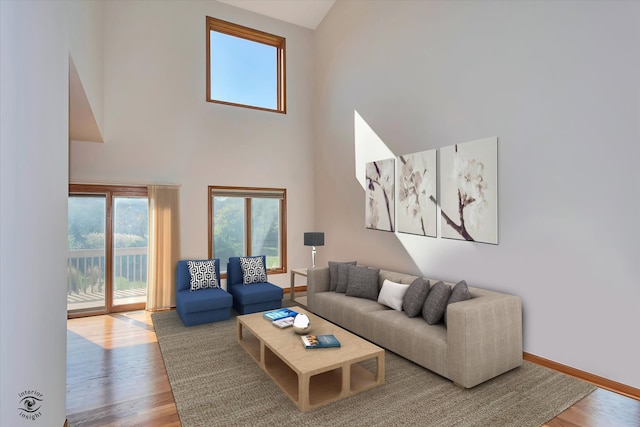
313 256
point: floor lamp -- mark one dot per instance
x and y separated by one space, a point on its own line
313 239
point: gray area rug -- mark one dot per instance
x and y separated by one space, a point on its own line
216 383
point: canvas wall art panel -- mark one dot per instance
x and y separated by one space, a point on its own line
380 190
417 185
469 191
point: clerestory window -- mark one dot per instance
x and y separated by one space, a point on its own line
245 67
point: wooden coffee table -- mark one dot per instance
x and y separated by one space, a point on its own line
312 377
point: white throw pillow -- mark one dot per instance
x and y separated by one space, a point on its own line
392 294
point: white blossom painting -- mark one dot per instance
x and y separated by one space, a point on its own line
469 191
417 183
380 209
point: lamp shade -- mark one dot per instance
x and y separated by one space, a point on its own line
314 239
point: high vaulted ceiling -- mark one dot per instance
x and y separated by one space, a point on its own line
306 13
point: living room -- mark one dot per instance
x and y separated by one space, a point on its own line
556 82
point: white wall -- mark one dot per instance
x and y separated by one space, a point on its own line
37 39
86 39
559 84
158 128
34 63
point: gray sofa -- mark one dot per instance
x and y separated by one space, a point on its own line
481 340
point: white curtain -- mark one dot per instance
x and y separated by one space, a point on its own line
164 246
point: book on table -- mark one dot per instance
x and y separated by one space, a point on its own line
278 314
283 323
320 341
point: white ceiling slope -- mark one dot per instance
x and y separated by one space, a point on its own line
306 13
82 121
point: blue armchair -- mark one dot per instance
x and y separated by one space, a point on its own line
253 297
202 305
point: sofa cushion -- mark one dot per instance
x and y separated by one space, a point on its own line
409 337
436 303
392 293
203 274
401 278
460 292
414 299
363 282
343 278
349 312
333 274
256 293
203 300
253 270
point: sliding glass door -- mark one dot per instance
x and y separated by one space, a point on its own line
86 262
107 249
131 232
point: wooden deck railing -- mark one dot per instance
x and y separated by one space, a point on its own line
86 268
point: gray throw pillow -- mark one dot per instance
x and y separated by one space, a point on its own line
460 292
436 303
343 278
363 282
333 273
413 300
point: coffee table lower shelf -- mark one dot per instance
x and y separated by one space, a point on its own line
309 389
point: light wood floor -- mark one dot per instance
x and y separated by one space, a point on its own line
115 373
116 377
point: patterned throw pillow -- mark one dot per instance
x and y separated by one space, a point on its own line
253 270
203 274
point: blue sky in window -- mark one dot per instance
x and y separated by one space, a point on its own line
243 71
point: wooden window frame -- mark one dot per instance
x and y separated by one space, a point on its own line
109 192
235 30
248 193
